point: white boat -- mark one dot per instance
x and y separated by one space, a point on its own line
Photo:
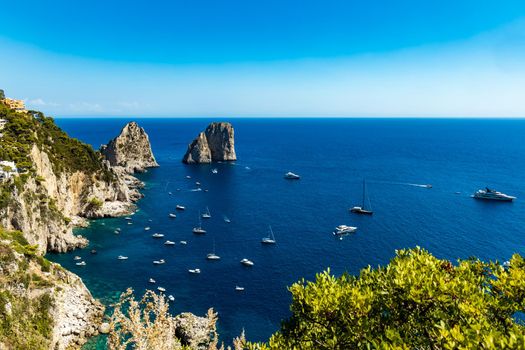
122 257
159 262
270 239
180 207
157 235
171 297
226 219
239 289
199 229
247 262
117 232
152 281
506 264
169 243
170 193
212 255
82 263
188 177
194 271
130 223
147 228
160 289
197 183
214 171
362 209
183 242
291 176
128 218
171 215
344 229
207 214
489 194
77 258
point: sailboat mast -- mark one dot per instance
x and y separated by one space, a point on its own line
364 194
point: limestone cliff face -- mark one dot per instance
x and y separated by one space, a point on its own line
130 150
49 205
52 309
216 143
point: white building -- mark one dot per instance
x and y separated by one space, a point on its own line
7 169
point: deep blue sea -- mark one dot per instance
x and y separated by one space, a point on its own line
332 156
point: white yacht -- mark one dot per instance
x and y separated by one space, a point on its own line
172 215
188 177
214 170
291 176
77 258
226 219
207 214
147 228
171 297
212 255
183 242
194 271
489 194
247 262
122 257
180 207
81 263
344 229
117 232
239 289
199 229
160 289
157 235
159 262
270 239
197 183
169 243
152 281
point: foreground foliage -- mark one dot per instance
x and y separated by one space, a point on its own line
415 302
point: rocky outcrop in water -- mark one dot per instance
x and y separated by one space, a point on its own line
216 143
130 150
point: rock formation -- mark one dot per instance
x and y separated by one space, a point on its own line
216 143
130 150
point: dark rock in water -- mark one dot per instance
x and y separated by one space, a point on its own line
216 143
130 150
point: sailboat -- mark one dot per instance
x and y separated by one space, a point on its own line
270 239
362 209
212 255
199 229
207 214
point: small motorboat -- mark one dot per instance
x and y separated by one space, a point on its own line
169 243
147 228
157 235
170 193
160 289
172 215
130 223
194 271
247 262
171 297
77 258
122 257
183 242
117 232
180 207
213 256
428 186
128 218
291 176
152 281
239 289
159 262
206 190
81 263
188 177
214 171
506 264
197 183
93 251
198 230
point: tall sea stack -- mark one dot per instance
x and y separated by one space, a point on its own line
216 143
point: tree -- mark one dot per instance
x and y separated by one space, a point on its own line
2 94
415 302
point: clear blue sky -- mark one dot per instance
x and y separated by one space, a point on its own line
265 58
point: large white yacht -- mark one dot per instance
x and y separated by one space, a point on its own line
489 194
344 229
291 176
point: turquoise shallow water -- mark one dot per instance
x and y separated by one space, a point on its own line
333 156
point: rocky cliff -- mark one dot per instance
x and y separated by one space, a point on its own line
42 306
130 150
216 143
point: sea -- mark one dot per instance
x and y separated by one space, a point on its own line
396 157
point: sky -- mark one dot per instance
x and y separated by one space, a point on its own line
271 58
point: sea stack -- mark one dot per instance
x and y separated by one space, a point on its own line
216 143
130 150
